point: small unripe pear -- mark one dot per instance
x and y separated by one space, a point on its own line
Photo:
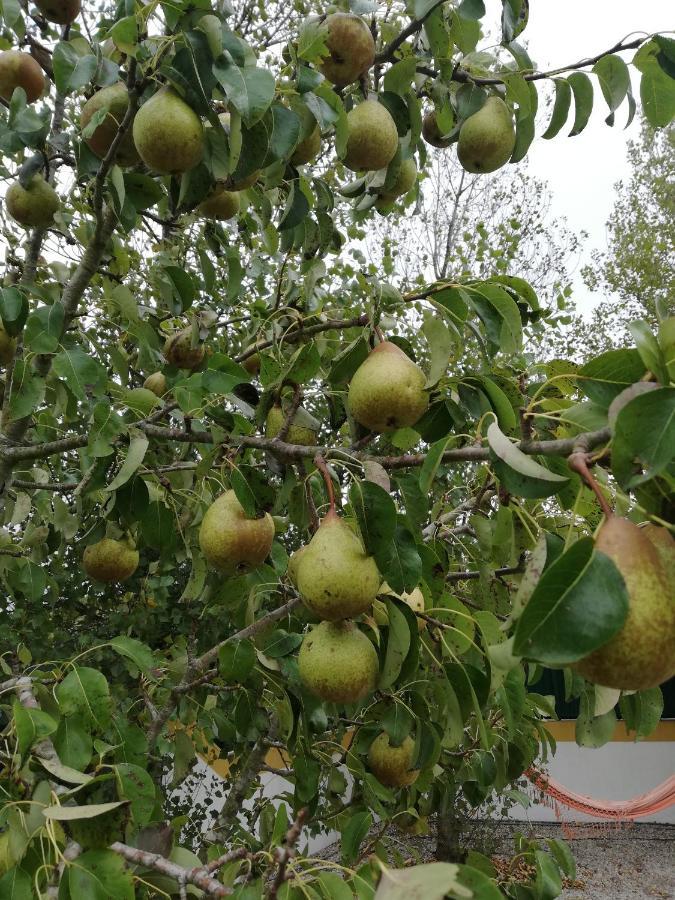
387 390
308 149
20 70
33 206
432 133
405 180
110 560
338 663
336 578
168 134
351 48
230 541
220 204
63 12
487 138
156 383
7 347
116 99
372 138
642 654
178 350
252 364
414 599
141 400
392 766
297 433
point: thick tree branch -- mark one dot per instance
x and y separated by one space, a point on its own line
299 332
199 876
387 53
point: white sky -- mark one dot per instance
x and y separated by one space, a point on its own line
582 170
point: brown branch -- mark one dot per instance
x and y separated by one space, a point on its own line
289 414
299 332
578 462
496 573
387 54
320 463
286 852
199 875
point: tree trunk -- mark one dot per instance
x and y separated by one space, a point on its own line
450 830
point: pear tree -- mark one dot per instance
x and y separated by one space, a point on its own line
272 509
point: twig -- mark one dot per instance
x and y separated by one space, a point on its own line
320 463
290 414
578 462
199 876
286 852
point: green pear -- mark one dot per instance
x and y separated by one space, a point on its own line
220 204
293 563
336 578
230 541
392 766
7 347
252 364
338 663
432 133
141 400
32 206
642 654
110 560
116 99
351 48
156 383
168 134
308 149
297 433
664 545
387 390
20 70
63 12
487 138
405 180
372 138
178 350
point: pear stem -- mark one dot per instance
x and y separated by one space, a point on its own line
380 335
578 462
320 463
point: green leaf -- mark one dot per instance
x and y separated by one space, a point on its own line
399 76
657 87
500 315
28 390
250 90
431 881
548 880
135 785
346 362
100 875
236 661
398 723
82 374
135 455
614 80
582 88
605 376
519 473
244 494
183 286
591 730
563 856
31 725
398 644
280 643
74 813
650 352
579 603
561 108
139 653
441 345
73 742
304 365
65 773
375 512
401 561
353 834
644 437
16 884
85 692
297 207
431 463
13 310
642 711
44 328
158 527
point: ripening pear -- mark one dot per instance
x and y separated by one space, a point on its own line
220 204
63 12
110 560
32 206
178 350
168 134
116 99
664 545
642 654
20 70
405 180
372 138
308 149
392 766
230 541
387 390
336 578
351 48
338 663
7 347
487 138
414 599
141 400
432 133
297 433
293 563
156 383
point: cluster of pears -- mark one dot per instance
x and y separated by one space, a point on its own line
387 391
486 138
642 654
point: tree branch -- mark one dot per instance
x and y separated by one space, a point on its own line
299 332
199 876
387 54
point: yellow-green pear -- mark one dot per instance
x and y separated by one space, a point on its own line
110 560
308 149
252 364
487 138
392 766
297 433
405 180
432 133
116 99
220 204
178 350
351 48
63 12
642 654
338 663
293 563
336 578
20 70
7 347
230 541
387 390
372 138
156 383
414 599
32 206
168 134
141 400
664 544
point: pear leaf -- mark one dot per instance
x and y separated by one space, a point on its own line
520 474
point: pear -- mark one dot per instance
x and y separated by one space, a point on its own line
252 364
220 204
156 383
231 541
293 563
116 99
432 133
664 544
405 180
308 149
32 206
110 560
297 433
372 138
7 347
63 12
642 654
178 350
20 70
336 578
351 48
487 138
414 599
168 134
387 390
141 400
338 663
392 766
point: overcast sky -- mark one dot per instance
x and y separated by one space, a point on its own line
582 170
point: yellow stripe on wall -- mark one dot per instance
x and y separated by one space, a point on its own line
564 732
